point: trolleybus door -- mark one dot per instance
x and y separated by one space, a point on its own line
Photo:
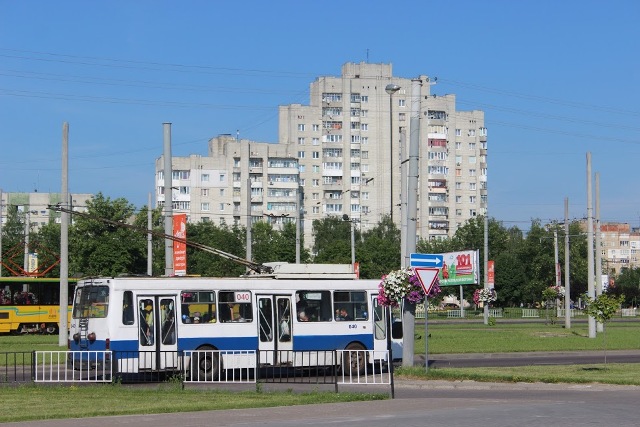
275 328
157 340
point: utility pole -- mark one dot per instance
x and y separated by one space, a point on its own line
567 285
0 232
599 326
63 330
590 285
409 310
168 201
149 239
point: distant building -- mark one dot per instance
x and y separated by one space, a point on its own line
619 247
334 157
35 206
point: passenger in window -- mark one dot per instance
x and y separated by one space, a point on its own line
302 316
342 314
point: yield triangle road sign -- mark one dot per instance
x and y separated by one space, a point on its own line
427 277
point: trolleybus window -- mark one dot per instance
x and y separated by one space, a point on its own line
316 305
350 305
198 306
235 306
91 301
127 308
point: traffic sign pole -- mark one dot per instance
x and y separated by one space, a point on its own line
427 278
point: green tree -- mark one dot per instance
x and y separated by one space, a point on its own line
627 284
157 243
100 249
13 242
602 308
228 239
47 243
332 243
378 250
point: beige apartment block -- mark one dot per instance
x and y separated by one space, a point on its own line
341 155
619 247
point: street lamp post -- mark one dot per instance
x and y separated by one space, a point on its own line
391 89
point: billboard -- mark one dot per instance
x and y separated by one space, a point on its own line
180 248
459 268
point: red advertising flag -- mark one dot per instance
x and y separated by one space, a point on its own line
180 248
491 273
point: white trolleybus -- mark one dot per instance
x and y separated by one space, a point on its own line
304 310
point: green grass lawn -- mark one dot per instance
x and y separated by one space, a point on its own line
611 373
524 337
35 402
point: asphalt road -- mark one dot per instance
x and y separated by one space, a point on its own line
429 403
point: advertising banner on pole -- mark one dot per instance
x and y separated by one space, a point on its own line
180 248
460 268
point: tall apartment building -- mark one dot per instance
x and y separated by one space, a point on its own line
350 139
35 206
341 155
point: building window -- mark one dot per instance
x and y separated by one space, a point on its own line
402 117
472 172
315 182
364 98
472 146
204 177
315 196
458 132
204 192
365 140
205 207
223 177
472 199
301 127
222 205
222 192
301 141
315 128
316 168
401 102
458 199
316 209
315 154
302 182
365 154
315 141
365 126
301 154
472 186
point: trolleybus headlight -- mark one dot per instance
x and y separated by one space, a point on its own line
91 337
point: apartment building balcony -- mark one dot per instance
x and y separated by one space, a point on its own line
282 171
482 138
439 225
256 169
283 184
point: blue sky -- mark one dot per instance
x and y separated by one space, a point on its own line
556 79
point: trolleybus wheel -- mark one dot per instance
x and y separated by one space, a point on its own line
354 360
205 365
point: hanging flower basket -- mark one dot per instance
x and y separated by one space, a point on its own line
401 284
553 292
484 295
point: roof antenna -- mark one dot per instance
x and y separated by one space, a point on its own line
367 56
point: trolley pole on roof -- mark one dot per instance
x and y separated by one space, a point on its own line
63 330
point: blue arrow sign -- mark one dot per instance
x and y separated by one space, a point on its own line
426 260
